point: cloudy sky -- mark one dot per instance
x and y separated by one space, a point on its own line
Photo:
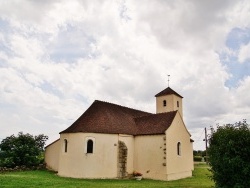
57 57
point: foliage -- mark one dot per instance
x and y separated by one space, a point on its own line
197 158
199 153
229 155
23 149
200 159
41 178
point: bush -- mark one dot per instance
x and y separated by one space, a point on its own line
197 158
23 149
229 156
206 158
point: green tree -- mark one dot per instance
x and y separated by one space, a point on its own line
229 155
23 149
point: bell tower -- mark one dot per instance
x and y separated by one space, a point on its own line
168 100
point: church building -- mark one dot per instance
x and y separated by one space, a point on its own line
113 141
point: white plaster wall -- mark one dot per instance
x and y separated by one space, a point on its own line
149 156
129 141
52 155
178 166
76 163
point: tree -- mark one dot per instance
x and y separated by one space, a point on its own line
201 153
229 155
23 149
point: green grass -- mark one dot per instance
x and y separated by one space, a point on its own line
42 179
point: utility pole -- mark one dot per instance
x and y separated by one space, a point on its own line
206 143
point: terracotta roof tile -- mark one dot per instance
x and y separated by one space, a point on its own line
104 117
167 91
155 123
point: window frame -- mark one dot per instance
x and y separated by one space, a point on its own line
90 146
88 140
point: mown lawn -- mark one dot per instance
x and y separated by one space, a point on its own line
49 179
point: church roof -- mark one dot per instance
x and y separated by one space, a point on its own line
155 123
168 91
104 117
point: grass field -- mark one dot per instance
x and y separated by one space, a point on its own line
44 178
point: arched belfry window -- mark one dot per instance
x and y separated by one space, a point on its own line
90 145
178 148
164 103
65 145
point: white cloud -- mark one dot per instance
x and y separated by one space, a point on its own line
244 53
241 94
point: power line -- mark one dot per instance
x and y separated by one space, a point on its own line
201 135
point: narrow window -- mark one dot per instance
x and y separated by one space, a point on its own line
65 145
164 103
178 148
177 103
90 146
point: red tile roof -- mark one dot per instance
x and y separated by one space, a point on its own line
167 91
104 117
155 123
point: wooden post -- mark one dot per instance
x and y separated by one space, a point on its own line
206 144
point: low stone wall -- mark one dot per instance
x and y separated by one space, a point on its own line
22 168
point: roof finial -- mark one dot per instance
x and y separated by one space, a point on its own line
168 80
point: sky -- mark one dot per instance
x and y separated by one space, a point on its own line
57 57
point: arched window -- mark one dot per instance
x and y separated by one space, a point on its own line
177 103
90 144
178 148
164 103
65 145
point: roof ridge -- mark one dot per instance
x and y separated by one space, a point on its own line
122 106
168 91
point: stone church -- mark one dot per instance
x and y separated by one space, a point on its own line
112 141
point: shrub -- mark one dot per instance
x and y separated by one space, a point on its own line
23 149
229 156
206 158
197 158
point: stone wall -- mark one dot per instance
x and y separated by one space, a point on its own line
122 159
22 168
